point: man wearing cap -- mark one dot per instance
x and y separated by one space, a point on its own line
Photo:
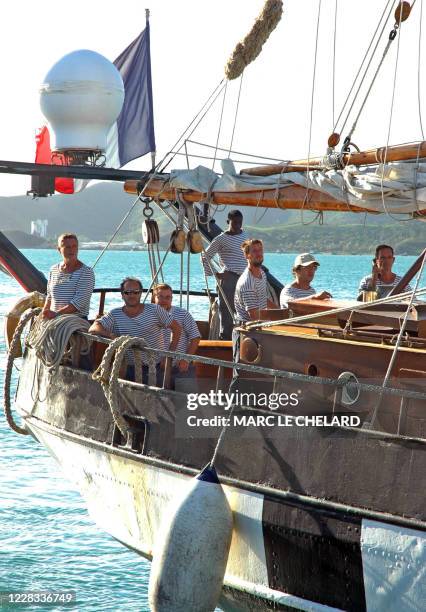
304 268
227 246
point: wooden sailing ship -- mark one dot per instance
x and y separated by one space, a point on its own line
327 516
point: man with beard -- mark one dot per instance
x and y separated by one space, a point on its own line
251 292
251 296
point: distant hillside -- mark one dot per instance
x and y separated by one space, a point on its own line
95 213
26 241
406 238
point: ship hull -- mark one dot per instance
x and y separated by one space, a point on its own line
317 524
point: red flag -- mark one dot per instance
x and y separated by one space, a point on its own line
44 156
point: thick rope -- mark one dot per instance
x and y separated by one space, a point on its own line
248 49
108 372
50 338
7 404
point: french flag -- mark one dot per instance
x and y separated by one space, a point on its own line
132 135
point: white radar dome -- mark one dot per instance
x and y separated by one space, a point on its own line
81 97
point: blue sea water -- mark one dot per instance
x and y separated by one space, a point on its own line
48 542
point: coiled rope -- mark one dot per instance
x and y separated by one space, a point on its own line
108 372
7 405
50 338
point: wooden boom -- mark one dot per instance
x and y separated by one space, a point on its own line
289 197
363 158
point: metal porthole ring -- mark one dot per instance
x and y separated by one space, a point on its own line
349 396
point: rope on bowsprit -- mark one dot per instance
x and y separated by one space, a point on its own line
51 338
24 319
108 373
249 48
192 547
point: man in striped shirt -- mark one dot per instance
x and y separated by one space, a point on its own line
70 284
147 321
251 296
381 279
251 293
190 336
227 246
304 268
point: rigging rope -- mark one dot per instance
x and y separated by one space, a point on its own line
334 63
306 198
164 166
236 114
334 311
361 65
419 63
182 135
120 225
397 344
220 124
384 157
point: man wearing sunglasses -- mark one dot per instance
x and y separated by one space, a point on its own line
145 321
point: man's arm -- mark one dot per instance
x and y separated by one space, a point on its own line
68 309
99 330
175 336
270 304
46 312
183 364
206 258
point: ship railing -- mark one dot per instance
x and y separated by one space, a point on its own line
339 385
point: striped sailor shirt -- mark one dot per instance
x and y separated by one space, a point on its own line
383 289
189 329
74 288
149 325
294 293
250 292
228 248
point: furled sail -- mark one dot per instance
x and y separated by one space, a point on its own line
397 187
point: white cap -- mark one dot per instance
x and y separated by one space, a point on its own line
305 259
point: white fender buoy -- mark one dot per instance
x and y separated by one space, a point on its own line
192 550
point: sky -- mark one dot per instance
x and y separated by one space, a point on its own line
191 41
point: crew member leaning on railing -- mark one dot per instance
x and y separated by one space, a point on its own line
70 284
147 321
190 337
